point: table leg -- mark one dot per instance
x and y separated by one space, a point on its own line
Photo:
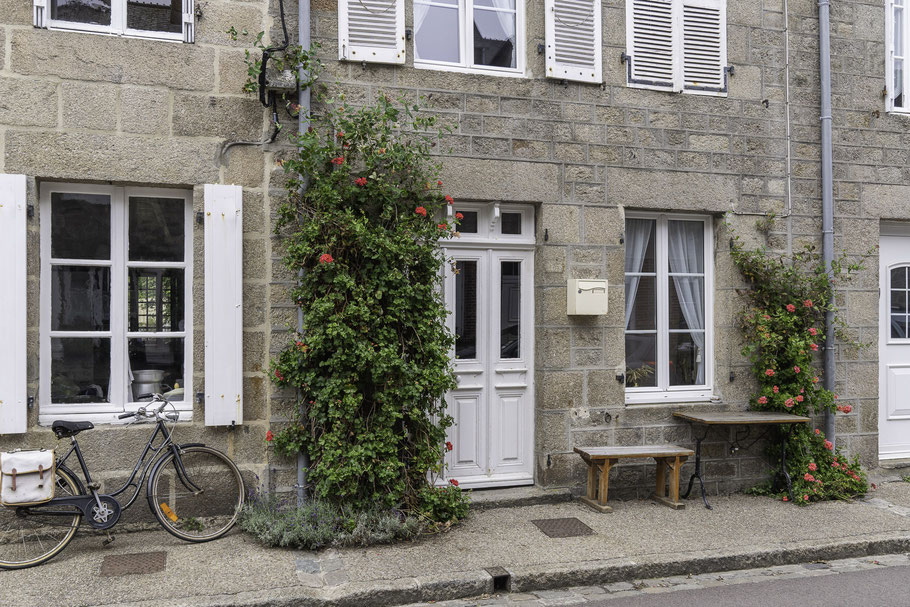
785 438
674 478
697 472
592 480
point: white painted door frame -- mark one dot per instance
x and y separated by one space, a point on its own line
894 342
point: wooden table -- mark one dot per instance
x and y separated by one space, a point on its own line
740 418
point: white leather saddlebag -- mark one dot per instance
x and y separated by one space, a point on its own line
27 477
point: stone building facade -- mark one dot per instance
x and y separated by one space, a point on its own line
583 157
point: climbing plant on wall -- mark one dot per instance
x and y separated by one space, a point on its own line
782 326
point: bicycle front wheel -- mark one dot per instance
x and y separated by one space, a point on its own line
30 536
196 496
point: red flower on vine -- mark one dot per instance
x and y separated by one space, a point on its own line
808 477
421 211
788 403
443 226
815 379
766 317
769 372
453 481
785 499
796 369
807 303
813 331
361 181
817 431
439 183
325 258
799 398
775 389
791 308
813 347
829 445
449 446
449 199
805 498
269 437
340 134
338 161
813 466
763 400
278 375
459 216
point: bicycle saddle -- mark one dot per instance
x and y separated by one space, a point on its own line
66 429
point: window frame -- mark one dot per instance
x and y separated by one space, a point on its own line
466 39
119 397
890 52
116 28
663 392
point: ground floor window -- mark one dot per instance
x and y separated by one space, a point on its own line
668 288
116 276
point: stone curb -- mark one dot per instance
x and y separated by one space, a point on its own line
383 593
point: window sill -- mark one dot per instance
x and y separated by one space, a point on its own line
446 67
103 31
659 398
47 419
666 89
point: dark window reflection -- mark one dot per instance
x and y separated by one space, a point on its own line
466 309
80 226
511 223
684 360
80 369
96 12
468 223
641 360
157 228
510 310
80 298
155 15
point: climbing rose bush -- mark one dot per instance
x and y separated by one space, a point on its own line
371 365
783 329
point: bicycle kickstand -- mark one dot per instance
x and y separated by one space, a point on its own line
109 540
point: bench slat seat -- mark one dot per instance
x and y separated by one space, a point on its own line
601 459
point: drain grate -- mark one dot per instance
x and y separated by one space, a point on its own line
563 527
133 564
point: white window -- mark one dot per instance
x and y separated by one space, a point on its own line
162 19
480 36
677 45
116 299
668 285
896 76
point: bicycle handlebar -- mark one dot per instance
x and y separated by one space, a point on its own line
125 415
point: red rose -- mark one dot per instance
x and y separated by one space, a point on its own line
815 380
817 431
459 216
807 303
325 258
813 347
788 403
785 499
439 183
338 161
442 226
763 400
829 445
812 466
799 398
453 481
775 389
808 477
769 372
449 199
449 446
361 181
421 211
796 369
813 331
269 436
340 135
791 308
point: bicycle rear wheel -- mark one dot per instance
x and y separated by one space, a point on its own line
198 497
29 537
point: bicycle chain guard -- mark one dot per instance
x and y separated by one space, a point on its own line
105 516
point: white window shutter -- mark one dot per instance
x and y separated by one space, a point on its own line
13 354
649 36
371 30
704 45
189 21
573 30
223 305
39 13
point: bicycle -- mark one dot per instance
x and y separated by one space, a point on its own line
195 492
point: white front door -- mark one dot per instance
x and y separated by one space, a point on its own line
894 343
489 293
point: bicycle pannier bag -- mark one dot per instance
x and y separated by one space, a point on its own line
27 477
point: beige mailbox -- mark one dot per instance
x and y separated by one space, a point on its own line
586 297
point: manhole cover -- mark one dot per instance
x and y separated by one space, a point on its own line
563 527
133 564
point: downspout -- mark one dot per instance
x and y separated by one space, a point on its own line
824 43
303 123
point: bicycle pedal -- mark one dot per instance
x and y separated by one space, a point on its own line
110 540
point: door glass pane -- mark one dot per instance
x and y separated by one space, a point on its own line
510 312
437 33
898 326
686 359
156 299
899 301
466 309
155 15
80 298
468 222
80 369
687 302
157 228
494 37
641 360
899 278
511 223
640 241
642 301
80 226
686 246
156 365
97 12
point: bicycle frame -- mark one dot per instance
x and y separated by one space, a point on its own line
84 501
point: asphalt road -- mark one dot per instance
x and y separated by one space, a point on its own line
885 587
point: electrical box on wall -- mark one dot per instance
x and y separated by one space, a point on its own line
586 297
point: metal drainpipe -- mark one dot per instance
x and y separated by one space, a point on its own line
303 122
824 43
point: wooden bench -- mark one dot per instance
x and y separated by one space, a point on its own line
601 459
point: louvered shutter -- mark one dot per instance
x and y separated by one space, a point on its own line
223 305
704 45
39 13
371 30
650 40
573 30
13 388
189 21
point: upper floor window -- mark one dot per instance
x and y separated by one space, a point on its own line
163 19
668 284
896 76
677 45
469 35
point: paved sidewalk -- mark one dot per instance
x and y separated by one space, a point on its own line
639 540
